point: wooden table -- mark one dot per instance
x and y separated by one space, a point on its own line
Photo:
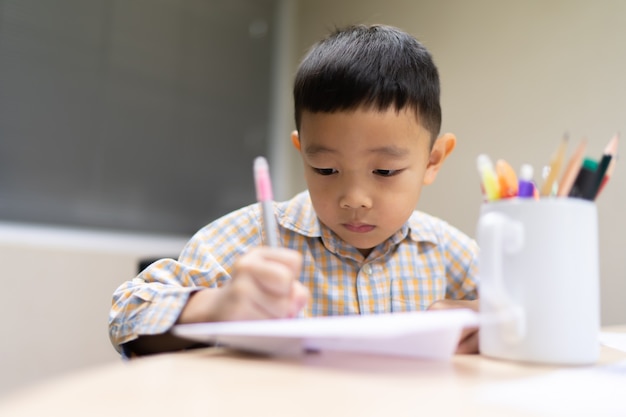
215 382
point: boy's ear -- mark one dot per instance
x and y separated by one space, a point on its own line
442 148
295 139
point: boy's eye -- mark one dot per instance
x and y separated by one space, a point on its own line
325 171
386 172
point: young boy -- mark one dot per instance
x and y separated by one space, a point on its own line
367 117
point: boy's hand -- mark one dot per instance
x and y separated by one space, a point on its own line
264 285
468 342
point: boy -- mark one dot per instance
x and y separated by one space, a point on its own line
367 117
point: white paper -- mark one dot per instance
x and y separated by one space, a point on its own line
428 334
592 391
614 340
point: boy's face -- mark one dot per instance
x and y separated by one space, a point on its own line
365 170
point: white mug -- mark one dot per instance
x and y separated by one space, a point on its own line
539 280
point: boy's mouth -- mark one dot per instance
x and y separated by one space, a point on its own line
359 227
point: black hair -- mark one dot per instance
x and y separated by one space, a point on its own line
376 67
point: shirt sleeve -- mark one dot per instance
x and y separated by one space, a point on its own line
461 265
151 303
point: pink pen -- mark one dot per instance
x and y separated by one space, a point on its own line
264 196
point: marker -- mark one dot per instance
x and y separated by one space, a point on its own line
609 153
555 166
506 179
526 187
264 197
584 185
488 177
607 176
571 170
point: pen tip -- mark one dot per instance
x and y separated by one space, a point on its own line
611 147
483 161
260 163
526 172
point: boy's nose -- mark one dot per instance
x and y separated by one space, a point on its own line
355 197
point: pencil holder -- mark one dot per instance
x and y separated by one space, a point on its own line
539 280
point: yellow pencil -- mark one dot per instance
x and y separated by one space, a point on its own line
555 167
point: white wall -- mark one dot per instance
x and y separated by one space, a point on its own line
515 76
56 295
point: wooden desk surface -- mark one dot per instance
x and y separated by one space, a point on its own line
214 382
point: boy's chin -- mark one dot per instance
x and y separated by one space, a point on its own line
365 242
363 245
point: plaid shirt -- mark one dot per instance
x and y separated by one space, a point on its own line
426 260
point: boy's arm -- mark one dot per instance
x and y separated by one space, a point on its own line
198 287
150 304
264 285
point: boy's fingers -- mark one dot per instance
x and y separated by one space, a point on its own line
273 269
265 285
469 341
268 305
469 337
451 304
245 300
299 298
237 300
288 257
260 255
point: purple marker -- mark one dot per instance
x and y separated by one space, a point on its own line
526 186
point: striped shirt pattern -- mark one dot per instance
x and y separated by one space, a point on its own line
425 261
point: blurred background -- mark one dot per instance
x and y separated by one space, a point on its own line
125 126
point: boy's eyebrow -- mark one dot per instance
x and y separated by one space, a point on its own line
392 151
317 149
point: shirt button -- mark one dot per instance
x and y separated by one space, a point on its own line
367 268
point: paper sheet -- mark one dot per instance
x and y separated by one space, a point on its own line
614 340
428 334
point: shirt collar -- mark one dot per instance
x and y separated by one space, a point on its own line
298 215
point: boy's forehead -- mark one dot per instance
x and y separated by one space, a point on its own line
408 112
313 123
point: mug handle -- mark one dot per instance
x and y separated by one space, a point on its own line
497 235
